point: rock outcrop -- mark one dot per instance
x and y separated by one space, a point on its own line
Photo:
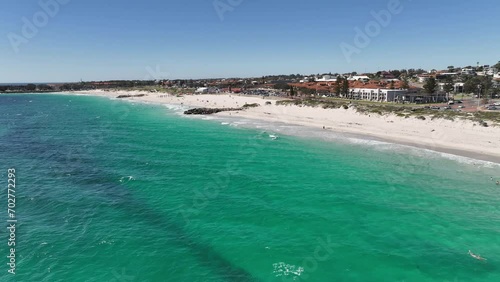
208 111
130 96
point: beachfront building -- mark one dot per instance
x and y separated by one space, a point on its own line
418 97
378 95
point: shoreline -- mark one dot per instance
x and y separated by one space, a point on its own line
461 138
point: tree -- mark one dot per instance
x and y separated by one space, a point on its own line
479 83
486 86
451 68
281 86
338 86
392 85
470 85
430 86
31 87
396 73
449 86
497 66
292 91
406 83
345 87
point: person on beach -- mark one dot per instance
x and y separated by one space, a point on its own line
498 182
478 257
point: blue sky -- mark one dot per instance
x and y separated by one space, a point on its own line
116 39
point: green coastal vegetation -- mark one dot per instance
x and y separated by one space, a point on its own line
422 112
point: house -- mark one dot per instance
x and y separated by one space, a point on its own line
422 78
445 75
327 78
359 78
468 71
387 75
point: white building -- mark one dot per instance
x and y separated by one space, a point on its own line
306 79
202 90
468 71
459 87
423 78
327 78
379 95
363 78
392 80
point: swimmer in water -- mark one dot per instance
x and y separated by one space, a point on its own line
478 257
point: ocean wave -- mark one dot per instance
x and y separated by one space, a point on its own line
176 108
283 269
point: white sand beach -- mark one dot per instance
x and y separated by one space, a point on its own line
464 138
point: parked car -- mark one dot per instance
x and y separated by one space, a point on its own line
434 108
447 108
461 107
458 101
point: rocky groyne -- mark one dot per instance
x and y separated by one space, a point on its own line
210 111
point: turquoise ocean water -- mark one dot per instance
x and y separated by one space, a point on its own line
109 190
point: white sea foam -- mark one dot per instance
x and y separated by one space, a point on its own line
469 161
283 269
127 179
176 108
